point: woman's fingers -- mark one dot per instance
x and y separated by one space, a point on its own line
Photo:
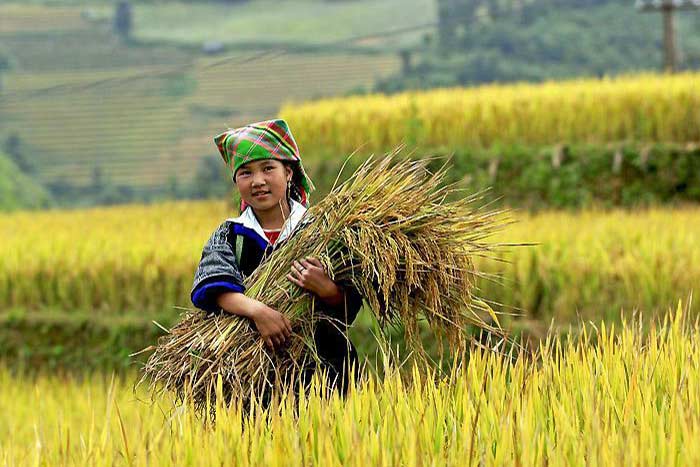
294 280
286 327
296 273
305 264
297 266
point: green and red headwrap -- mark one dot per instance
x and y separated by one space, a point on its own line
270 139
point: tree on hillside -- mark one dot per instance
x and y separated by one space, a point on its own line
14 149
4 66
123 19
539 40
210 181
455 16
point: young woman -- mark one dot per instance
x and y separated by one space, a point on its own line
267 169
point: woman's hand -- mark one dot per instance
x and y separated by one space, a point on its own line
310 275
274 327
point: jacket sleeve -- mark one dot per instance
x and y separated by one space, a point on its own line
217 271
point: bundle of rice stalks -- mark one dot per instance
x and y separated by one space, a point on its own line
391 232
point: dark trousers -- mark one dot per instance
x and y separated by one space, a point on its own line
338 356
339 364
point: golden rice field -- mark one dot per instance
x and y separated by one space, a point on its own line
645 107
142 259
608 397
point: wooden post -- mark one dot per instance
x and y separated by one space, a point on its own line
644 156
493 167
557 156
617 161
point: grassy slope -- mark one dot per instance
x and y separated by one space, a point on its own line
150 129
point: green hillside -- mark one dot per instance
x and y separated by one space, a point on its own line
143 114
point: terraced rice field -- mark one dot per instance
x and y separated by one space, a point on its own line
138 133
585 264
81 100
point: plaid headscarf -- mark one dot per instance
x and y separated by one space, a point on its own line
270 139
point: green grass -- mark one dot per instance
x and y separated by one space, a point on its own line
124 131
260 21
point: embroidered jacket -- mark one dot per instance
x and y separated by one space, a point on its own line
233 252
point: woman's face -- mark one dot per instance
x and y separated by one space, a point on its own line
263 184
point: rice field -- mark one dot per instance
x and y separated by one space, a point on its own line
615 379
588 264
608 396
640 108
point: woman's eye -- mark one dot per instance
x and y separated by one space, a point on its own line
267 169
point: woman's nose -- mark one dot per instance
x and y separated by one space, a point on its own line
258 180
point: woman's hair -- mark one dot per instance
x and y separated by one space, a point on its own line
294 191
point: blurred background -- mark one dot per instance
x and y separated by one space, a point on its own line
582 115
117 101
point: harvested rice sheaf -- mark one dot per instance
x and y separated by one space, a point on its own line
391 231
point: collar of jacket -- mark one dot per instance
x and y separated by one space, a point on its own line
248 220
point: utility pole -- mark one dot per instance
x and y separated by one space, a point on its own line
668 8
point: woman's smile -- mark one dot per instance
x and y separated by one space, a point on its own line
261 194
263 183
